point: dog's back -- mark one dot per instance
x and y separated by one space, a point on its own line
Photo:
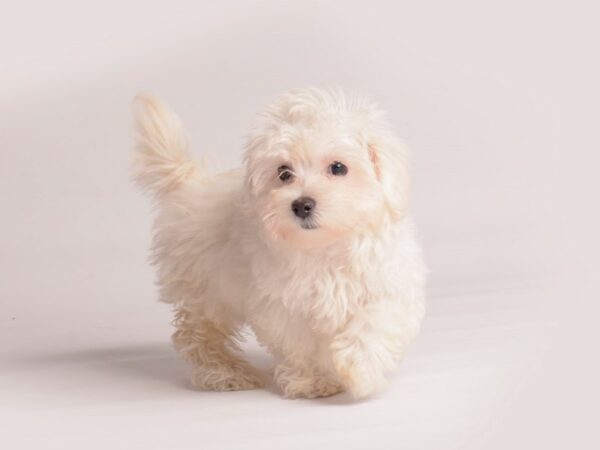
195 210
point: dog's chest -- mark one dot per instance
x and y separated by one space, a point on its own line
324 291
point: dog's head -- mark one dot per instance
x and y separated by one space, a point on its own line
320 166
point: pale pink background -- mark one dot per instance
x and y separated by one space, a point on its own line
499 103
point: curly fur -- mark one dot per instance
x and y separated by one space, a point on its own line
336 304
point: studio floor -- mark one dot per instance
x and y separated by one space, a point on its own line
72 379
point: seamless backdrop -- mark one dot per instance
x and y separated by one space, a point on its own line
499 105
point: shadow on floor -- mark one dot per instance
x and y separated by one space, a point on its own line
157 361
150 362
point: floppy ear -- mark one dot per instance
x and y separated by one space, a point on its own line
390 160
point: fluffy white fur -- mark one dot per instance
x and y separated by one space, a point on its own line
337 297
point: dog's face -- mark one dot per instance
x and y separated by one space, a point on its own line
319 170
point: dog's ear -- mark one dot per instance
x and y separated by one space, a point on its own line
256 159
389 157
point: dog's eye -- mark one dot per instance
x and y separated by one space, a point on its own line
337 168
285 173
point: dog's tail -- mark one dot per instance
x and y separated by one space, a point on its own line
161 159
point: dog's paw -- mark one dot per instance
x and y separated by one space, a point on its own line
295 384
225 378
313 387
360 372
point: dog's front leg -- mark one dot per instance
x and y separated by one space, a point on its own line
371 343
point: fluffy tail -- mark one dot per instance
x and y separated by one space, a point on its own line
161 160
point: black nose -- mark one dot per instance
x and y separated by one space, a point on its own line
303 207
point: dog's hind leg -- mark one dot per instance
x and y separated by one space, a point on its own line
212 350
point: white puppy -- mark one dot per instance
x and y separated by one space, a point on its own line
309 244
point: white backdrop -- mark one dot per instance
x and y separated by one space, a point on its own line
495 99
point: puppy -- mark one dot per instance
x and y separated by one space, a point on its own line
309 244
